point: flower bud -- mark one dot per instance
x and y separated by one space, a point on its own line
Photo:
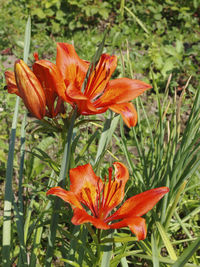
30 89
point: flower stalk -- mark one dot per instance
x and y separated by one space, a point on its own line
61 182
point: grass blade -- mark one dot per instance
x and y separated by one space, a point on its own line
22 261
155 253
108 130
182 260
175 203
137 20
9 193
166 241
9 170
27 39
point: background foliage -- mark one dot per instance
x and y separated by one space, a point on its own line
163 35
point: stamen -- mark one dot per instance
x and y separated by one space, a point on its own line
116 189
110 174
96 82
89 204
98 200
105 198
111 197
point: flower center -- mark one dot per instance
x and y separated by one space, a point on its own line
102 198
108 197
97 81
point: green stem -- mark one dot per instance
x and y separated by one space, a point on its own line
97 239
67 151
21 169
92 233
61 182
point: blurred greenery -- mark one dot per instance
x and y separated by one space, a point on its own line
162 35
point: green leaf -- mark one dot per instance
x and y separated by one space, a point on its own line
187 254
71 263
38 12
27 39
108 130
155 252
168 66
137 19
9 171
166 241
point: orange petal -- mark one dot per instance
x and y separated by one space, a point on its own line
67 196
86 185
136 224
114 190
139 204
52 82
127 111
11 83
74 93
87 108
84 105
73 69
121 177
100 76
121 90
30 89
81 216
121 173
82 176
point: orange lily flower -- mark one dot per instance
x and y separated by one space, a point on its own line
65 79
89 193
100 93
35 89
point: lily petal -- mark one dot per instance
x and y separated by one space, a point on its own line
86 188
74 93
85 107
121 173
127 111
11 83
81 216
87 177
67 196
120 91
114 190
121 177
100 76
73 68
136 224
52 81
140 204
